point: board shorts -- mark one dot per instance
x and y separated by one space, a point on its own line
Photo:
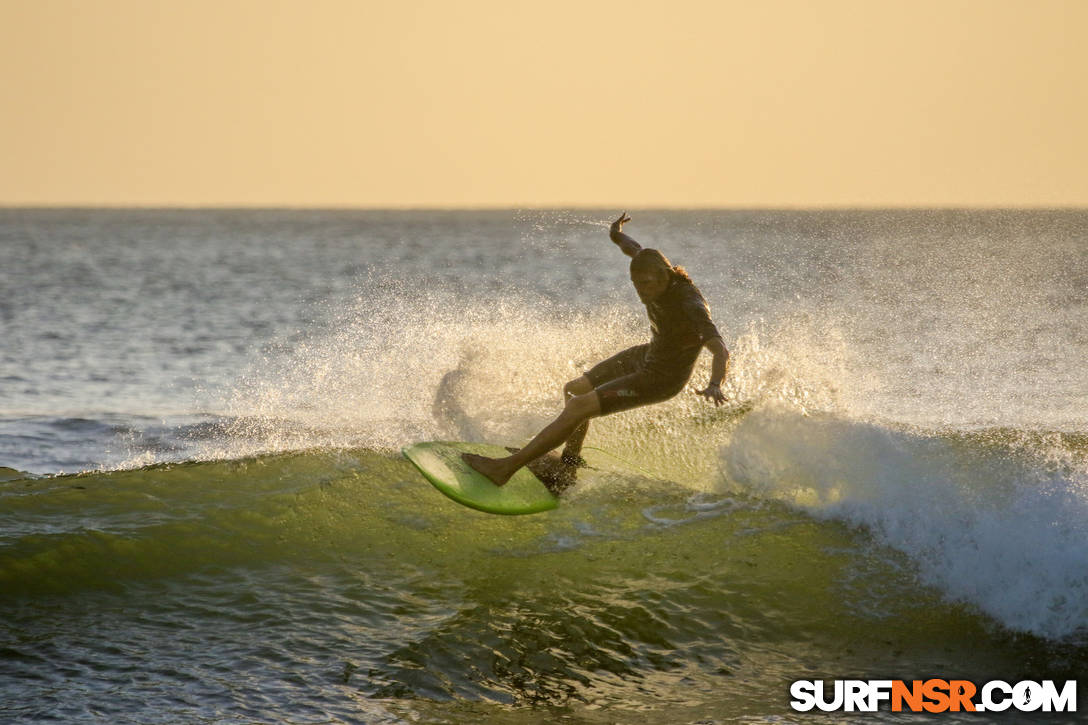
622 382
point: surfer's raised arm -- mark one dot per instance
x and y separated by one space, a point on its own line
628 245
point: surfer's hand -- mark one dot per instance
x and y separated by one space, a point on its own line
627 245
618 224
713 392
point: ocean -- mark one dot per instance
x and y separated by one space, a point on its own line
205 517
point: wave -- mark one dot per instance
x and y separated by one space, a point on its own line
95 529
994 519
104 528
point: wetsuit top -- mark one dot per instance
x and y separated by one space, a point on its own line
681 325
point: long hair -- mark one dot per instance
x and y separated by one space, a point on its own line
647 260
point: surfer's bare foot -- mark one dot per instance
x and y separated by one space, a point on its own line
493 468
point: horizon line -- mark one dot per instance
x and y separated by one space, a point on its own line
4 206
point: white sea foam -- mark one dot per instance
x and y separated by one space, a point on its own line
1001 526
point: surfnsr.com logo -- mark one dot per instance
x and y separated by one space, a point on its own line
933 695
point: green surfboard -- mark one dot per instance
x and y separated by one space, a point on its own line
441 464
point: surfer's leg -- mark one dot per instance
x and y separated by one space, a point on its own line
622 363
572 452
577 411
637 390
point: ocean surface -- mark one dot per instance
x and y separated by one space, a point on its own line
205 517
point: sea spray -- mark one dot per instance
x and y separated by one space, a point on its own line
405 363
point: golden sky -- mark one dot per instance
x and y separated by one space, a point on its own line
413 103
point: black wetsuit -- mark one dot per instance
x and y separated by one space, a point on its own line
650 373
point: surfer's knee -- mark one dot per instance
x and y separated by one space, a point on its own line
576 387
583 407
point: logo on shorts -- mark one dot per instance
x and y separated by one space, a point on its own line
621 393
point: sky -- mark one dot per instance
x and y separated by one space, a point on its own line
502 103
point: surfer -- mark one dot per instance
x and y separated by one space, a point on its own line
641 375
